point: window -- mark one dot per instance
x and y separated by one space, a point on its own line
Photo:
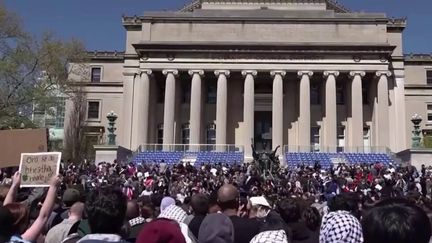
185 133
96 73
429 76
211 92
340 95
211 134
365 96
160 92
186 87
366 139
429 113
341 138
315 94
315 138
93 110
160 134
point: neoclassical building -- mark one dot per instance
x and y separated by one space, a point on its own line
309 75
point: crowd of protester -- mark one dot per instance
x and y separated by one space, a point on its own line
217 203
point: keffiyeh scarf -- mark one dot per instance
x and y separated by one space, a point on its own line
340 227
271 236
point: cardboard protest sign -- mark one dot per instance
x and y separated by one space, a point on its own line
37 169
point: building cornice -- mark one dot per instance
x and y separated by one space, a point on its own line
331 5
418 58
262 48
100 84
106 55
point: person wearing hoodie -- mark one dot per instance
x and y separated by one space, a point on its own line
161 230
106 211
216 228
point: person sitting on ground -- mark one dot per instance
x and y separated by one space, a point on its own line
20 212
229 202
396 221
68 226
200 207
106 211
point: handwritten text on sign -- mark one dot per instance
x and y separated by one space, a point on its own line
38 168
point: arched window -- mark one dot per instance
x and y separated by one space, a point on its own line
211 134
185 133
160 134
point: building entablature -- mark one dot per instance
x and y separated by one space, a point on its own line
171 48
106 55
295 16
418 58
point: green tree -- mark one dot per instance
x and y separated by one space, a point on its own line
33 70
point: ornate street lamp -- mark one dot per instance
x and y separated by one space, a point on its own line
416 138
112 117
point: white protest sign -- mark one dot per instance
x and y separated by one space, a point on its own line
37 169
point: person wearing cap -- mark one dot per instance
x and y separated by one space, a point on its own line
260 207
69 198
68 226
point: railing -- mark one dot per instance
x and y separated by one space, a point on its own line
191 148
330 149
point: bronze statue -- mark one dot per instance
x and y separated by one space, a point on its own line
266 163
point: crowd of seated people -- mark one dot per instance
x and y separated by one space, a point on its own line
220 203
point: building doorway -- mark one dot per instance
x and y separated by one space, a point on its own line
263 131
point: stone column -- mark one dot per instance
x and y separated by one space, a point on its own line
248 110
330 119
169 107
195 106
277 108
140 122
304 120
382 114
221 106
127 113
356 123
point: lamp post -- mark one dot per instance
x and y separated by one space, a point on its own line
112 117
416 138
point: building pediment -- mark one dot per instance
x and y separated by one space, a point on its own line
266 4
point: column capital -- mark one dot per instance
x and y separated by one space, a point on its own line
302 73
172 71
145 71
278 72
357 73
251 72
331 73
196 71
222 72
381 73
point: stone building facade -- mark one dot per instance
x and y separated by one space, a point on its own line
307 75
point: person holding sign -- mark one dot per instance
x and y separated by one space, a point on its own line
21 213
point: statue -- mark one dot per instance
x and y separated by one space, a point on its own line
266 163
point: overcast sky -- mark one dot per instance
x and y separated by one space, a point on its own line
98 22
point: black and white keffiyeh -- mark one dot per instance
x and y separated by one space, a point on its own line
136 221
271 236
175 213
340 227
